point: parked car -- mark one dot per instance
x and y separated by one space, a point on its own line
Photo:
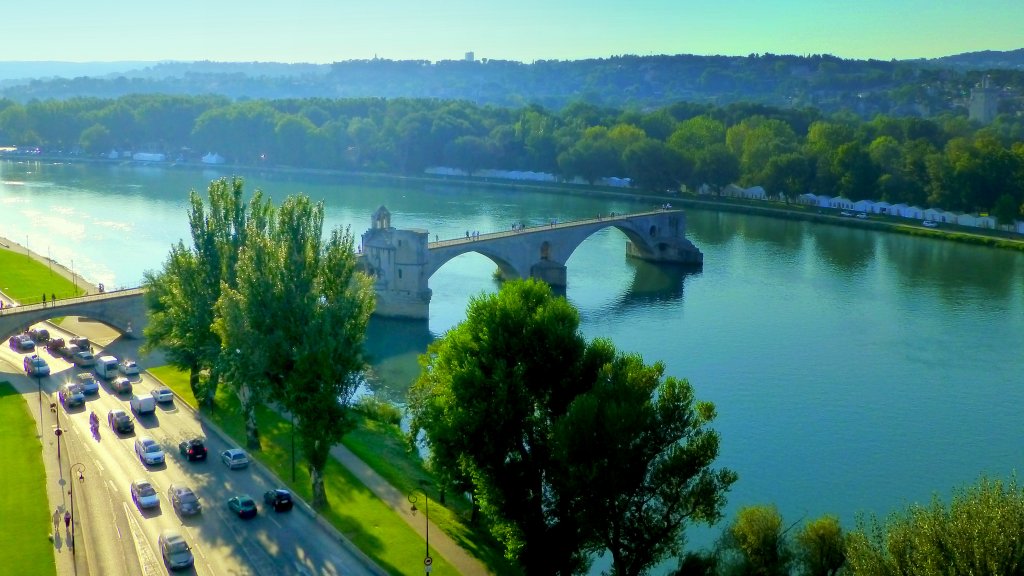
148 451
163 395
82 342
174 549
39 335
930 224
144 495
68 352
121 385
234 458
242 505
280 500
84 359
22 343
54 345
183 500
194 449
35 366
128 368
70 394
120 421
88 383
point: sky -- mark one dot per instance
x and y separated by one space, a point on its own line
323 31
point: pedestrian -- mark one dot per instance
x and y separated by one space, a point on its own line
53 298
435 237
44 298
467 233
67 519
56 518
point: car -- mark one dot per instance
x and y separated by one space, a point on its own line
70 394
163 395
128 368
68 352
35 366
234 458
54 345
148 451
82 342
279 499
174 549
242 505
88 383
845 213
120 421
144 495
183 500
194 449
930 224
83 359
121 385
22 343
862 215
39 335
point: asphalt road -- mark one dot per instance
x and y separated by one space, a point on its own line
115 537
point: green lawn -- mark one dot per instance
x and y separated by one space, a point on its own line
364 519
25 527
26 280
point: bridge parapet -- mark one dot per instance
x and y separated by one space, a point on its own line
124 310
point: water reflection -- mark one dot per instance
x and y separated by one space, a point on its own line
845 248
954 268
392 347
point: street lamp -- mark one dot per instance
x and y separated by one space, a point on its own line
71 492
427 560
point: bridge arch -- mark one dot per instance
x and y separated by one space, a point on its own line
123 310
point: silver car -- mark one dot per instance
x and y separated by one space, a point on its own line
149 451
144 495
175 549
183 499
234 458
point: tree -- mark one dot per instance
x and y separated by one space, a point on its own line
979 533
181 296
637 454
654 166
551 494
295 326
820 547
755 544
788 175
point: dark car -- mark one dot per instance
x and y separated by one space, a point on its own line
194 449
184 500
22 343
280 500
55 344
82 342
175 550
39 335
243 505
120 421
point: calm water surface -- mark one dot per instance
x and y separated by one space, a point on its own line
853 371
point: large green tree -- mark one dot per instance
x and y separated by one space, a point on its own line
293 329
182 295
517 401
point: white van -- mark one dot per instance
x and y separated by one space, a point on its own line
106 367
143 404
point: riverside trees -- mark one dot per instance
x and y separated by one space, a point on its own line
570 447
264 301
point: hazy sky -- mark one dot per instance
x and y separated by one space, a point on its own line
322 31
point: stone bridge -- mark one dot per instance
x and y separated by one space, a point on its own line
123 310
402 261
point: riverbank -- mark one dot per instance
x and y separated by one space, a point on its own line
769 208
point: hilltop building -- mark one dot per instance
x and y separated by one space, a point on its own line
984 102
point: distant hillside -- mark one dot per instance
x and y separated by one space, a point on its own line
25 71
828 83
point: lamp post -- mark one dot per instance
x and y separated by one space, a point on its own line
71 492
39 384
427 560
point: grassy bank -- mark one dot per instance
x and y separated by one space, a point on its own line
25 525
26 280
354 510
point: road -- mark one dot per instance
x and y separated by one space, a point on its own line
115 537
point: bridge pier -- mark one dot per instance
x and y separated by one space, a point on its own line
551 272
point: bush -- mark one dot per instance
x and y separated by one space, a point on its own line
379 410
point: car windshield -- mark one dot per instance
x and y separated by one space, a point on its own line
146 490
187 496
175 546
153 448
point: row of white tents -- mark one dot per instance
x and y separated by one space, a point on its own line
873 207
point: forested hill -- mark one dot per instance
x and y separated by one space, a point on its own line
828 83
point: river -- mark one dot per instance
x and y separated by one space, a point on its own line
853 371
